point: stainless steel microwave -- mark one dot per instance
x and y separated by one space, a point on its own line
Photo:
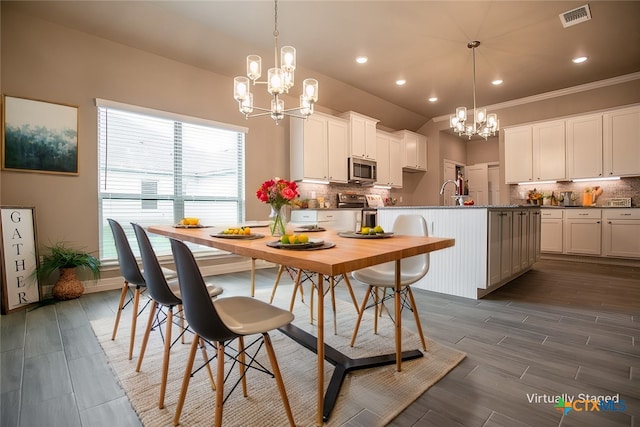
362 171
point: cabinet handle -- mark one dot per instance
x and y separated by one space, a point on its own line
583 214
626 214
609 222
597 222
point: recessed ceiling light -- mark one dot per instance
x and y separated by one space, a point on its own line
433 99
401 82
496 82
579 59
362 59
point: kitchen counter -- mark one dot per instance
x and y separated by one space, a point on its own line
494 245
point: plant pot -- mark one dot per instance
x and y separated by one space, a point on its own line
68 285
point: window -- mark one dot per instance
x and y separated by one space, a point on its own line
157 167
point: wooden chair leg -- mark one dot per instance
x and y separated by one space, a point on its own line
332 286
417 318
350 289
219 384
165 359
145 339
123 295
296 284
275 284
205 356
360 312
185 379
134 320
242 360
276 373
253 277
377 309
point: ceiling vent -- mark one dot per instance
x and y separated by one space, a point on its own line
575 16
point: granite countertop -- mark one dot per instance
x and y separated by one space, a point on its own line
465 207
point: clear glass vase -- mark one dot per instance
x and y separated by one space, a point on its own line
278 221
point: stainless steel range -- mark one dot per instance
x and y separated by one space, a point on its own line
368 217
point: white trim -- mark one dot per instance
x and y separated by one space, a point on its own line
169 115
556 93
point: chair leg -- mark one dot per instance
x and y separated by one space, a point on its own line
416 317
219 384
276 373
360 312
350 289
296 284
165 359
377 309
242 360
253 277
275 284
134 320
185 379
205 356
123 295
145 339
332 286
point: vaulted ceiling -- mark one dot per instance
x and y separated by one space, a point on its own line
423 42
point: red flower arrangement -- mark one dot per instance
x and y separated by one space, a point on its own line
277 192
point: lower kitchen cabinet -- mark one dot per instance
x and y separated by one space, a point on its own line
621 233
500 246
552 231
583 231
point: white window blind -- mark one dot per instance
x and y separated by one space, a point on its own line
156 168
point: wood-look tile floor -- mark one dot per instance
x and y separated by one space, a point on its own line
562 328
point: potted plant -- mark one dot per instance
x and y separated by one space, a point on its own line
65 260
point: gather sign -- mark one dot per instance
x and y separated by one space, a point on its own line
19 258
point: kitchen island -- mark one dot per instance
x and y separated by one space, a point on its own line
494 245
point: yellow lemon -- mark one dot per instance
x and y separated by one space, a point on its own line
364 230
303 238
247 231
378 229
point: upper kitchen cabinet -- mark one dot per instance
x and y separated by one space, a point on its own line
621 142
535 152
389 163
319 148
584 146
362 135
549 150
414 151
518 154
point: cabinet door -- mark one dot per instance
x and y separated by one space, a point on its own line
518 153
583 236
534 237
410 150
584 146
506 238
500 248
422 152
549 150
621 142
315 148
395 162
621 238
551 235
337 145
519 241
370 139
383 163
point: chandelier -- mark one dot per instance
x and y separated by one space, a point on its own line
279 81
483 125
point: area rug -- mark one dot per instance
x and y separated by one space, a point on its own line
381 392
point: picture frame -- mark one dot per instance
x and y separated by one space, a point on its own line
39 136
19 257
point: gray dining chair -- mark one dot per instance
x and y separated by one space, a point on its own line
165 296
222 321
382 277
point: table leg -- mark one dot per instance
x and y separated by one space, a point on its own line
253 277
398 315
320 397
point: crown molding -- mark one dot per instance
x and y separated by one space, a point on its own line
557 93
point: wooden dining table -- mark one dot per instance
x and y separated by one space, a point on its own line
347 254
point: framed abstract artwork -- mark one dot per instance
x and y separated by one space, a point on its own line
39 136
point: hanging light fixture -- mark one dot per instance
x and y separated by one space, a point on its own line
483 125
279 81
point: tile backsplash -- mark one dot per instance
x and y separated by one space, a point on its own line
330 192
625 187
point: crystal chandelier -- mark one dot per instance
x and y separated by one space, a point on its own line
279 81
484 125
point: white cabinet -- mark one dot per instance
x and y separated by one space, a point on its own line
362 135
332 219
552 230
621 233
518 153
500 246
414 151
582 231
548 150
318 148
584 146
389 163
520 241
621 142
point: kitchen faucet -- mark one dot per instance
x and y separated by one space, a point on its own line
458 196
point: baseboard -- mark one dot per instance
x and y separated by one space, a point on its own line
592 259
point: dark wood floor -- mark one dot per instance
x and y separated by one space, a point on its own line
562 328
